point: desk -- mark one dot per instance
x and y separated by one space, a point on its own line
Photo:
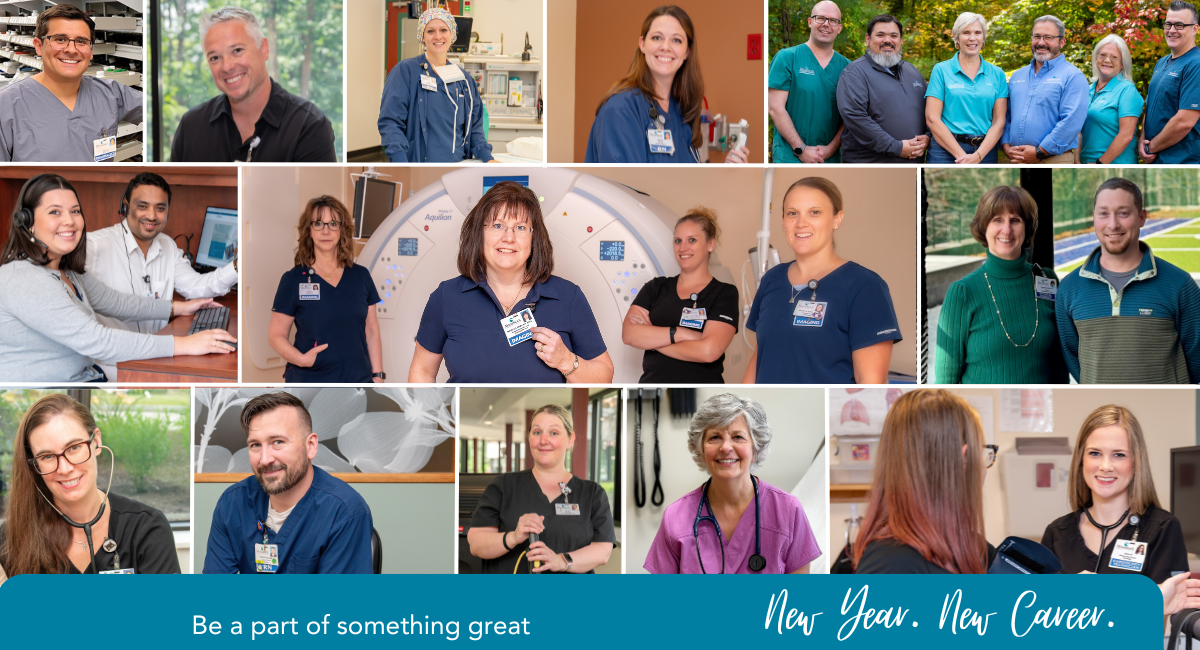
207 369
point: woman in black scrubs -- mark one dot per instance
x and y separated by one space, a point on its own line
569 515
332 302
685 323
54 473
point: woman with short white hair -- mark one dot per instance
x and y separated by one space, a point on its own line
1109 134
966 101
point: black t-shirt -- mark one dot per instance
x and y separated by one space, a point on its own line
661 298
1159 529
143 536
890 556
517 493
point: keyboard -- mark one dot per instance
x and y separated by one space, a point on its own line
210 318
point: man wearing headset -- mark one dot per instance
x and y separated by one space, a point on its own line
253 119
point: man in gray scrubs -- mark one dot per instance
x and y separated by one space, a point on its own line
62 114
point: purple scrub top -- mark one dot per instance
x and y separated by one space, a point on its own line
786 538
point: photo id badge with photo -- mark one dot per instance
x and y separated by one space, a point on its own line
661 141
693 318
569 509
1045 288
310 291
118 572
104 149
517 328
428 82
266 558
1128 555
809 314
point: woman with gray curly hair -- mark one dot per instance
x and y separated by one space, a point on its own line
735 522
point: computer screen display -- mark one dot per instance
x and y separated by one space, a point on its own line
373 202
218 239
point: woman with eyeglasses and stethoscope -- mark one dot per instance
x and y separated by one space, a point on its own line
58 520
735 522
431 109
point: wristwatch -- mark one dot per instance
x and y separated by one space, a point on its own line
799 151
567 557
1041 154
673 328
574 367
381 375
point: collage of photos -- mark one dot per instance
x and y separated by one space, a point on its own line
264 309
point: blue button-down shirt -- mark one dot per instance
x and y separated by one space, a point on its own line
1046 109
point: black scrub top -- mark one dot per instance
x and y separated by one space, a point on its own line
1159 529
143 536
338 318
888 556
660 297
517 493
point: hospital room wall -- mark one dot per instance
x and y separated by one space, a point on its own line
1167 416
407 516
560 72
606 37
796 419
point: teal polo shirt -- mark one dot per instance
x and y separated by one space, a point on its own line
1119 98
967 103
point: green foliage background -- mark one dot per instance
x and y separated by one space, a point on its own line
305 37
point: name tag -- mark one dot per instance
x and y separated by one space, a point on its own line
104 148
117 572
660 141
1045 288
693 318
568 509
428 82
310 291
517 328
809 314
1128 555
266 558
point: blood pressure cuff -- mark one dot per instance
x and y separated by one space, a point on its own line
1017 555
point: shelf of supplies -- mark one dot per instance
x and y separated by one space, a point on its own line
128 150
849 492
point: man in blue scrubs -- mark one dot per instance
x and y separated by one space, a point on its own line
1047 102
290 517
1170 133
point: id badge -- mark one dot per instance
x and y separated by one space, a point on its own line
693 318
809 314
104 148
1128 555
118 572
517 328
661 141
569 509
428 82
1045 288
266 558
310 291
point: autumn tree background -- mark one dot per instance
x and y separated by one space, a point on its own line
305 38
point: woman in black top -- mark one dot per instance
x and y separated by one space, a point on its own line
54 471
686 322
569 515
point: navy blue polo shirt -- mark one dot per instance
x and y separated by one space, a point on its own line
858 314
337 317
462 323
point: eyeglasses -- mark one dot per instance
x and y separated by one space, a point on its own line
1179 27
60 42
989 454
1108 58
822 20
1036 38
77 453
520 230
326 225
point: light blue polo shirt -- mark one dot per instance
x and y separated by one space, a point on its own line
967 103
1119 98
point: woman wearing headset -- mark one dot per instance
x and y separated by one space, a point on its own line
431 109
653 114
543 519
54 470
332 302
48 328
735 522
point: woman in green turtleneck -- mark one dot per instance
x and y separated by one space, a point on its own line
997 324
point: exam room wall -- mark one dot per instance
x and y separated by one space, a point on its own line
409 517
606 37
560 72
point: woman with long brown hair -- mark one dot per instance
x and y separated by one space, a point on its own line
332 302
926 508
54 478
653 114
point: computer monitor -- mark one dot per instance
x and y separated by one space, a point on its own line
1185 494
373 202
463 42
219 238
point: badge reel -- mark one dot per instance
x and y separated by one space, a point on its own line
566 507
266 556
310 290
110 546
693 317
810 313
518 328
660 138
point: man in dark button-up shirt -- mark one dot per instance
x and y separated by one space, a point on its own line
254 119
882 101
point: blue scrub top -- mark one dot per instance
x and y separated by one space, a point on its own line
967 103
859 314
1119 98
1175 86
418 125
338 318
619 132
328 531
462 323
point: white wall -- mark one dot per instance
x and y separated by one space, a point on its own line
797 421
560 89
366 26
512 18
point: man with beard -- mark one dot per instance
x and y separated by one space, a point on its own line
254 119
290 517
1126 316
1170 133
802 93
1047 101
882 101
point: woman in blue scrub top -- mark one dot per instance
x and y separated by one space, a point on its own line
477 322
332 302
653 114
966 102
431 109
820 319
1115 106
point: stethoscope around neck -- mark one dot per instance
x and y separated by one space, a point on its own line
87 526
757 562
1133 520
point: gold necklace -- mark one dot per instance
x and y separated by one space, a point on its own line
513 303
1036 316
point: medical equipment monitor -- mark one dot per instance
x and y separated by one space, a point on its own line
218 238
490 181
373 202
407 246
1185 494
612 251
463 42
